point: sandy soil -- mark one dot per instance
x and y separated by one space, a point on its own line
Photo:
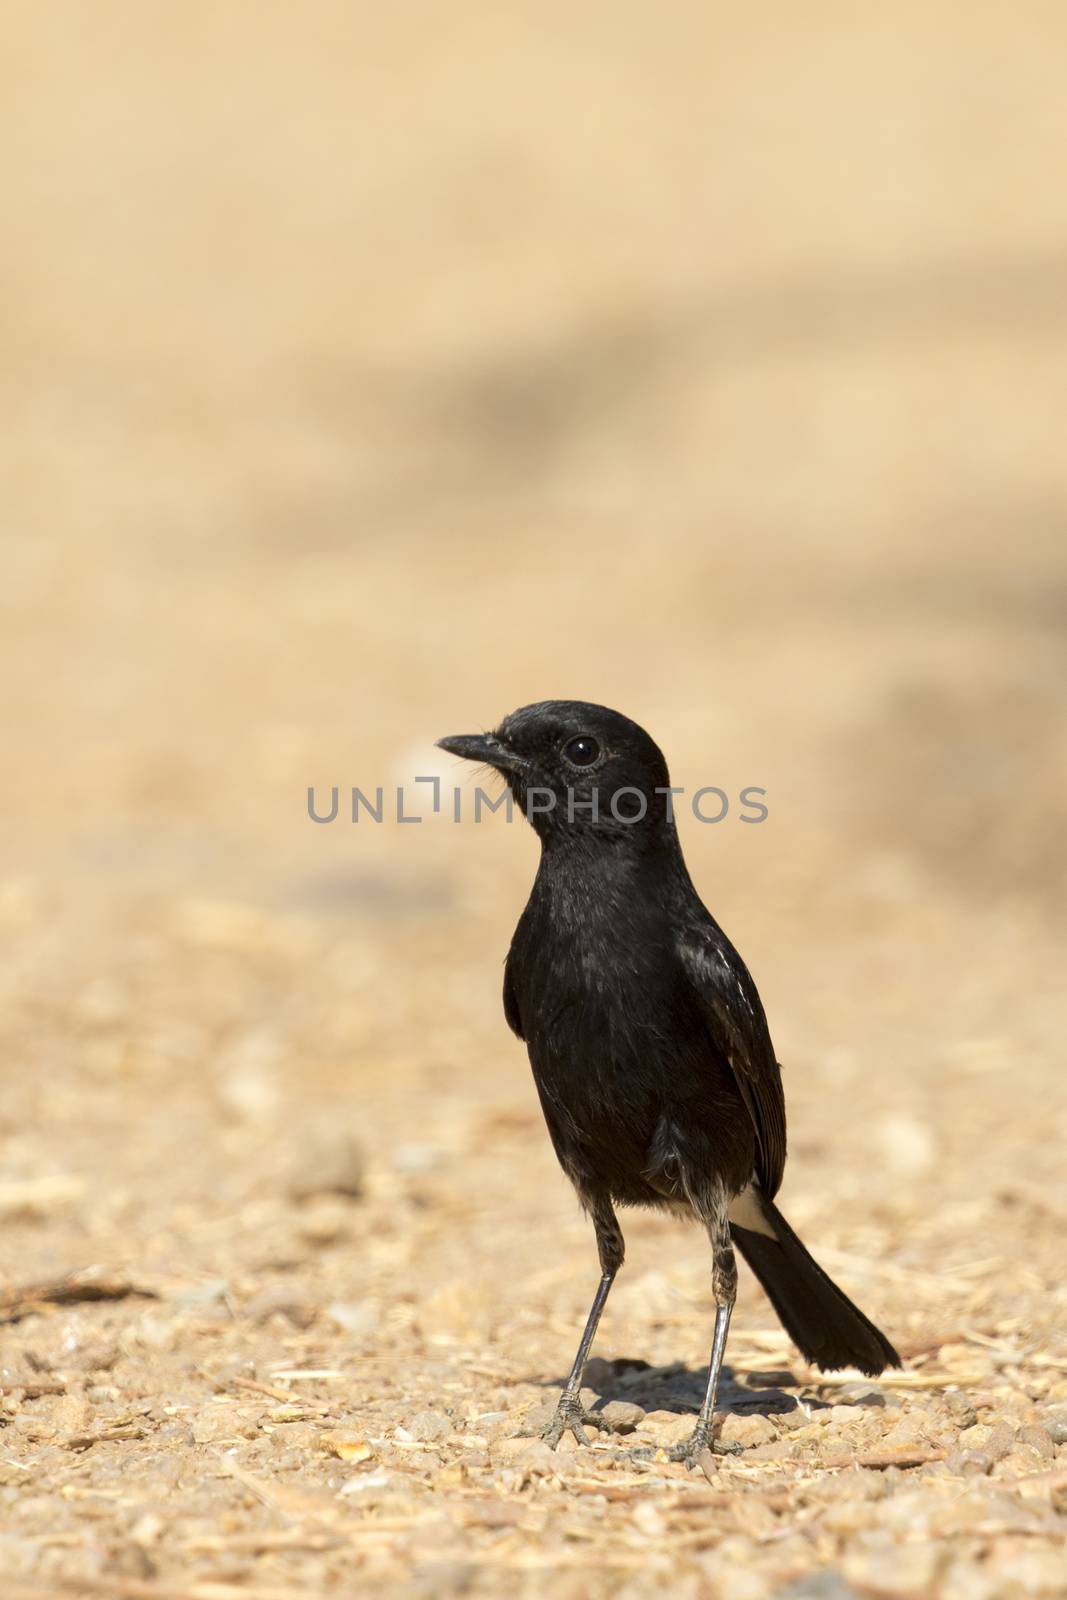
365 378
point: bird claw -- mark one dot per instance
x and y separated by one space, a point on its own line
571 1417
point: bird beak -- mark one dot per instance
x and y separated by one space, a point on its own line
483 747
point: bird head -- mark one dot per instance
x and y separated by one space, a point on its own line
578 771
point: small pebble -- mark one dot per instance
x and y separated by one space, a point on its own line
294 1435
968 1463
358 1317
209 1294
961 1409
1055 1423
747 1430
775 1450
860 1394
325 1159
1001 1441
1039 1439
827 1585
674 1431
414 1160
212 1424
284 1301
429 1427
621 1416
369 1486
324 1222
533 1454
796 1417
347 1444
1018 1462
902 1435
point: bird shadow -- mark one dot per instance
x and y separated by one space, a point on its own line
680 1389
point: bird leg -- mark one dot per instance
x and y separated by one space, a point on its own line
724 1288
570 1415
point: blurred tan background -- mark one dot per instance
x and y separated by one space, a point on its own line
369 373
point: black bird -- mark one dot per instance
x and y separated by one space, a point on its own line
647 1038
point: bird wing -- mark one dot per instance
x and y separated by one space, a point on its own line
738 1029
511 1003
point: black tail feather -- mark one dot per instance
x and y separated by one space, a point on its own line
820 1319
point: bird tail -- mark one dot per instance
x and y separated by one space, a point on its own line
830 1331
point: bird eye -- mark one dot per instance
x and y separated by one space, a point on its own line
582 751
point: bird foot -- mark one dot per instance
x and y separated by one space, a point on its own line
571 1417
691 1451
701 1442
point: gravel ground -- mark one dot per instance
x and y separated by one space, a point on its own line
713 370
317 1325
